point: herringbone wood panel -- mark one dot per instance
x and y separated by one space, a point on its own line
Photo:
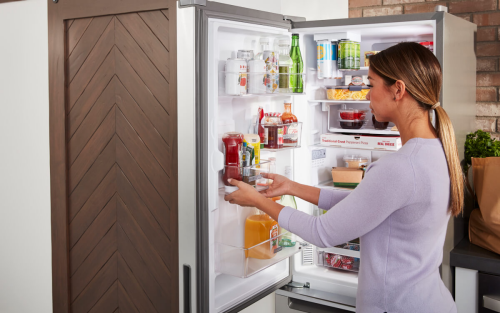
120 133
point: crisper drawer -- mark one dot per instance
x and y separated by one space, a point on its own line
488 293
342 257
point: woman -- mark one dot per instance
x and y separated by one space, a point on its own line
401 209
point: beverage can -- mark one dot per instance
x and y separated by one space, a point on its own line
272 71
325 59
256 76
334 59
236 77
348 55
245 54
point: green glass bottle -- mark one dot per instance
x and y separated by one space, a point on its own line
296 81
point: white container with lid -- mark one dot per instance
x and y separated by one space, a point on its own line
256 76
236 77
355 161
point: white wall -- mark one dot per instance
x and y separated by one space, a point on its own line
25 242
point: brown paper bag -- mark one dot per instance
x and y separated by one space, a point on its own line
484 223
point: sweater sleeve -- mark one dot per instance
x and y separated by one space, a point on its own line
388 185
330 197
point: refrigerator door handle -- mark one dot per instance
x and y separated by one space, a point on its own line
187 288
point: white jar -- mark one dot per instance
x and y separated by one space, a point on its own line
256 76
236 77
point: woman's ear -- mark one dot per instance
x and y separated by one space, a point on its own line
399 90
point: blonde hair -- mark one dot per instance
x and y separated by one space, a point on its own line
420 70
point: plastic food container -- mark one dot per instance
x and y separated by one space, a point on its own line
343 257
351 93
352 114
355 161
351 124
379 125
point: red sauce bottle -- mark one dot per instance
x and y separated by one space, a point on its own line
232 156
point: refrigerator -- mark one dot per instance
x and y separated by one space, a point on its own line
215 275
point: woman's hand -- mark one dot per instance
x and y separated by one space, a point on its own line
280 186
246 195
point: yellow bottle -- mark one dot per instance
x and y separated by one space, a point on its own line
259 228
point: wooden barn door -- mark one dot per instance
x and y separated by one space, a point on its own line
113 132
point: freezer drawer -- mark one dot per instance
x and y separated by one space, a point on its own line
286 304
488 293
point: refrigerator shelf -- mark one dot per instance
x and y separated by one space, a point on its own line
333 102
233 260
316 146
365 130
282 149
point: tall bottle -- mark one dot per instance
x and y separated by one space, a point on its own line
296 81
288 200
288 117
285 66
264 46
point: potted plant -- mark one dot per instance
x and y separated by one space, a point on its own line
482 154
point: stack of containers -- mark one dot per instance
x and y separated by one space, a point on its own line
351 118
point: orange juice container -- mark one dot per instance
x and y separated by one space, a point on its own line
260 228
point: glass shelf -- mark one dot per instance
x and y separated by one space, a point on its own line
339 101
282 149
365 130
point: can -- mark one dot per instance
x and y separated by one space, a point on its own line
334 60
348 55
325 59
256 76
236 77
272 71
245 54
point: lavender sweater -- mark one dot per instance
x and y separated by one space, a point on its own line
400 212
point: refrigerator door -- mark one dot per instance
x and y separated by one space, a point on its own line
449 34
200 161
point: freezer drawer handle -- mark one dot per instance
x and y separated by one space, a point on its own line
491 302
310 307
187 288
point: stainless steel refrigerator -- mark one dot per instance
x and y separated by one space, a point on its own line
215 275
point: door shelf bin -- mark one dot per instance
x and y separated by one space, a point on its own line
256 84
292 135
342 257
233 260
249 174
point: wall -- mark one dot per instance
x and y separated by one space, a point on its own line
25 239
486 14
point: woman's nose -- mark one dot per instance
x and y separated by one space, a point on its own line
368 95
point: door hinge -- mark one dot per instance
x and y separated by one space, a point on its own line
188 3
293 18
293 284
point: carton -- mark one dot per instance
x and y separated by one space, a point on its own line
392 143
346 177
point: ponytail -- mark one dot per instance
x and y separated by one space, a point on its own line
446 134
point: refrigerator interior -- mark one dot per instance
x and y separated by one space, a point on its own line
231 113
